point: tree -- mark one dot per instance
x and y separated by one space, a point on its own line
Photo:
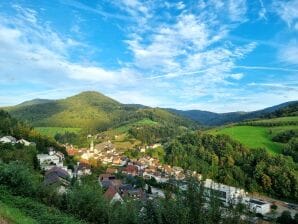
19 178
86 202
285 218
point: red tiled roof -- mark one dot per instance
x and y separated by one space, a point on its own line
71 151
131 169
111 170
110 193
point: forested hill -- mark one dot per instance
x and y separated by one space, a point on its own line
289 110
214 119
90 110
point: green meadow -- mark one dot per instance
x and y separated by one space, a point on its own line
13 215
251 136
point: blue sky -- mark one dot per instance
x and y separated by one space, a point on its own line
232 55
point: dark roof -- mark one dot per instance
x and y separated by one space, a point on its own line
126 187
83 166
106 183
106 176
254 201
55 179
58 172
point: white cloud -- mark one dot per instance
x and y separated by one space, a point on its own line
34 53
237 76
180 5
263 11
289 53
237 10
288 12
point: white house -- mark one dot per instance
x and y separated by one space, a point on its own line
47 161
258 206
225 193
83 169
24 142
8 139
157 177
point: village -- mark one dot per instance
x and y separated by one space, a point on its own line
120 169
151 170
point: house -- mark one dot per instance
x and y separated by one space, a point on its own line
106 176
157 192
116 183
72 151
225 193
127 190
111 170
25 142
83 169
156 175
58 177
117 161
8 139
130 170
87 155
154 146
258 206
142 149
112 195
49 161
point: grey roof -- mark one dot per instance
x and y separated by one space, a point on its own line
13 139
56 175
58 171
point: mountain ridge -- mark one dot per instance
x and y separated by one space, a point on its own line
92 106
213 119
90 110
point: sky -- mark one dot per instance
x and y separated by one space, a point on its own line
214 55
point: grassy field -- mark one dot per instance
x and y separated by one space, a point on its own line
259 135
13 215
52 131
251 136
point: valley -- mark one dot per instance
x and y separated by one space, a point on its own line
152 148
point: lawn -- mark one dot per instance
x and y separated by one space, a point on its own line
52 131
13 215
252 137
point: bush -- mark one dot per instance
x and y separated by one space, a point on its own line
19 178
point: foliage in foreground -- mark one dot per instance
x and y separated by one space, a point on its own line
86 202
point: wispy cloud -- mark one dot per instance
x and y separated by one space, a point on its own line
99 11
289 53
237 10
266 68
288 11
262 11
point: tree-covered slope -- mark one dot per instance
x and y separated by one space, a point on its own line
90 110
227 161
